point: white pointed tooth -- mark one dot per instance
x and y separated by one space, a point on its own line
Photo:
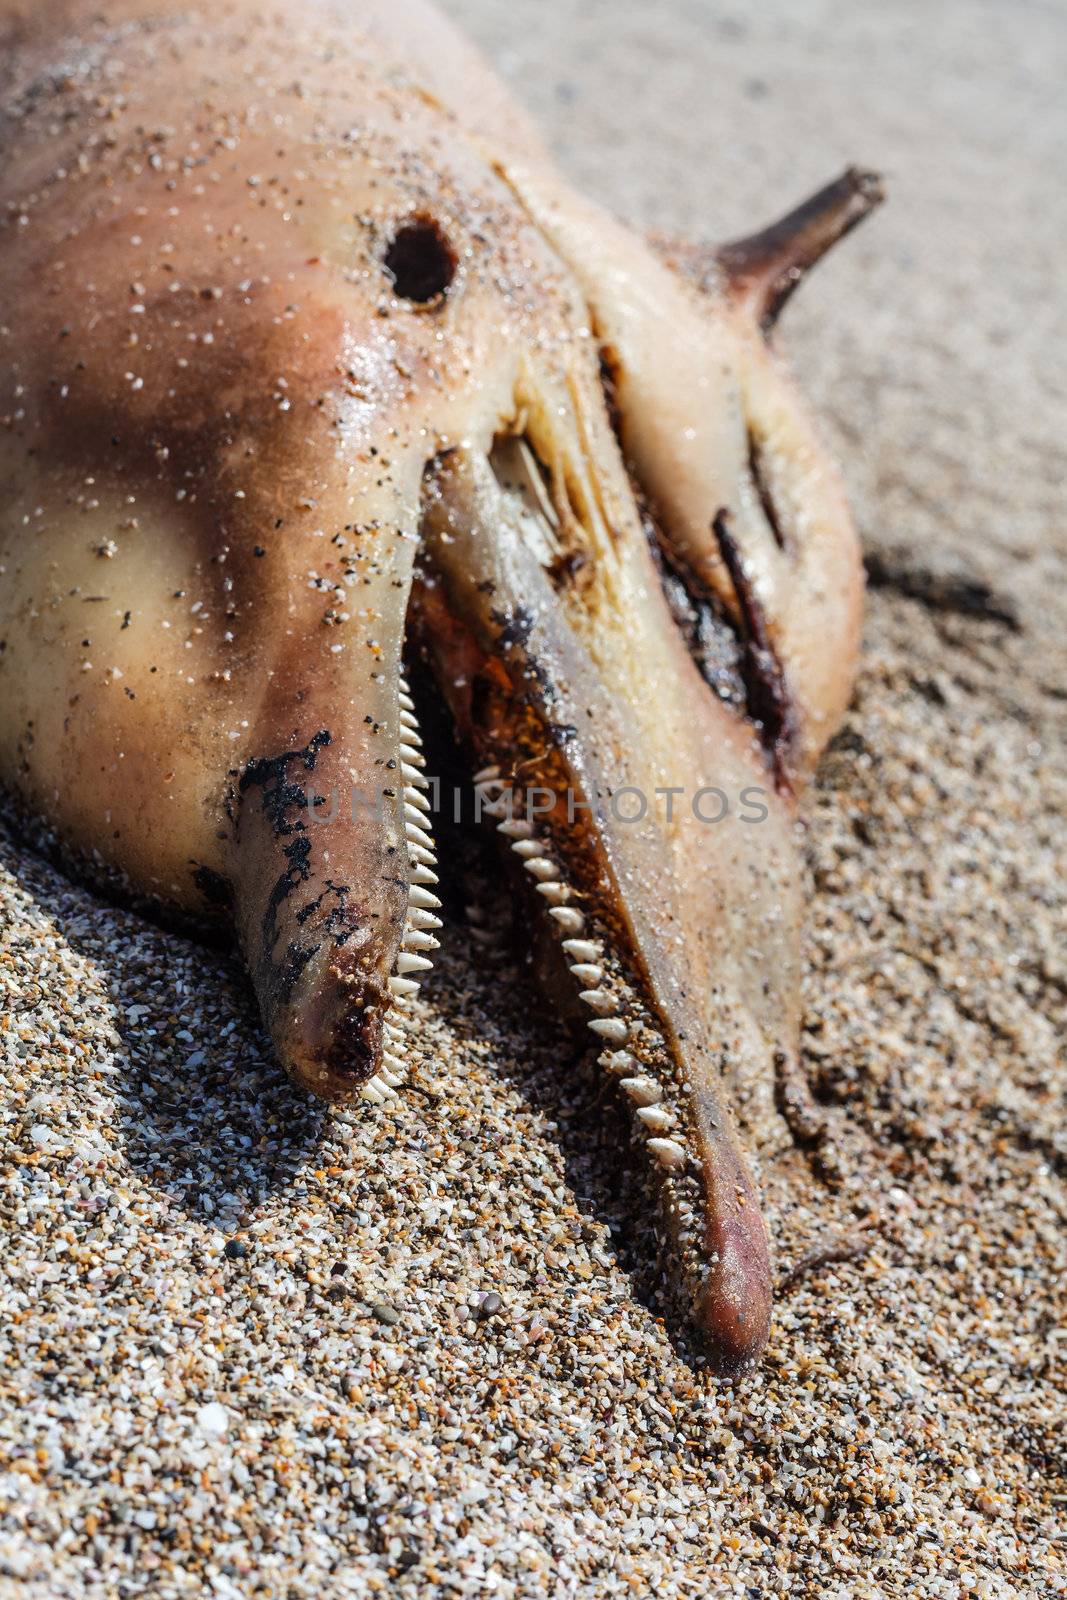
587 974
406 702
390 1079
419 839
619 1061
657 1119
393 1062
417 895
412 775
581 949
408 962
668 1152
411 734
416 807
418 918
542 868
569 919
613 1029
487 774
401 988
419 853
642 1091
496 808
600 1001
555 893
515 828
525 849
414 940
372 1090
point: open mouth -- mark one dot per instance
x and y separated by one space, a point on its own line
511 672
460 420
631 709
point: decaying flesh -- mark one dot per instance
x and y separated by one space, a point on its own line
307 352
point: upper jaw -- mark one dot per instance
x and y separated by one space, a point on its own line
569 686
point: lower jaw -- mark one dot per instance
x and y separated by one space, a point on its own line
716 1263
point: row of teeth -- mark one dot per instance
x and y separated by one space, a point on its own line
584 956
420 924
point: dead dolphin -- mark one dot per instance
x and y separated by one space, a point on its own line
309 359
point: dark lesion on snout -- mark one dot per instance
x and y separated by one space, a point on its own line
326 1024
283 803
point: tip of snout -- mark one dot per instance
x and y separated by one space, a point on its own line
733 1310
734 1314
329 1039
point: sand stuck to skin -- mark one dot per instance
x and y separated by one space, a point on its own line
251 1348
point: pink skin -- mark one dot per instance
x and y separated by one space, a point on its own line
239 415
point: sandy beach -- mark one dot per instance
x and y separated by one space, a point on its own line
251 1347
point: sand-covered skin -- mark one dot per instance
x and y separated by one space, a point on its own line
249 1347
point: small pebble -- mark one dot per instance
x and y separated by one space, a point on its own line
212 1420
487 1306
